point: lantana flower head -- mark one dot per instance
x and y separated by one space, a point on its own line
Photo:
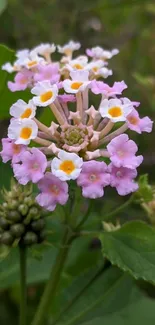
85 144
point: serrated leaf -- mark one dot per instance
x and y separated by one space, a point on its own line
132 249
7 97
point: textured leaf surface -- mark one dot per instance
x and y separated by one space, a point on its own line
132 248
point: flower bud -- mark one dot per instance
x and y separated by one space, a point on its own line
34 212
41 236
23 209
12 205
38 225
14 216
30 238
17 230
4 224
28 201
7 238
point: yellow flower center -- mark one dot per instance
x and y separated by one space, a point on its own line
78 66
26 113
16 148
95 69
133 120
115 111
32 63
76 85
67 166
25 133
46 96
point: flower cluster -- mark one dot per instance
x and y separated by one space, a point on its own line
85 143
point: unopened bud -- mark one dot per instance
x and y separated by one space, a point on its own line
108 226
7 238
34 212
17 230
29 201
38 225
23 209
14 216
4 224
41 236
30 238
12 205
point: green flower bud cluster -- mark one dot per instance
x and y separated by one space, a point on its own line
21 218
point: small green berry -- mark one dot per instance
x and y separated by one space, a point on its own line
38 225
14 216
7 238
30 238
3 223
23 209
17 230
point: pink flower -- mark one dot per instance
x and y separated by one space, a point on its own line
22 80
48 72
53 191
122 152
123 179
11 151
138 124
32 167
93 178
65 98
99 87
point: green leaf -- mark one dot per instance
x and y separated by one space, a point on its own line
132 249
137 312
145 191
102 296
3 4
7 97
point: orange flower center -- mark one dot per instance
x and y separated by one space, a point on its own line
76 85
115 111
67 166
95 69
78 66
46 96
25 133
26 113
32 63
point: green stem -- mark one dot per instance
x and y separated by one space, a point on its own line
23 294
53 282
119 209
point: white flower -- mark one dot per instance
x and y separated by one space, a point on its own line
43 49
97 68
80 63
115 110
22 110
67 167
78 83
22 131
46 93
68 48
31 61
99 53
8 67
22 54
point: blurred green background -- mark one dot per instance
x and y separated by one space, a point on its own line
125 24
